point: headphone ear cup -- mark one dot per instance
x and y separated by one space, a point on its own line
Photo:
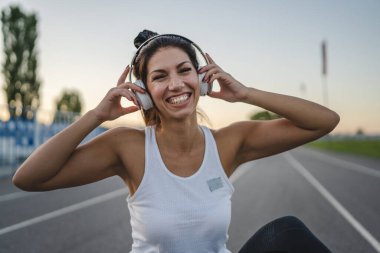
143 98
205 88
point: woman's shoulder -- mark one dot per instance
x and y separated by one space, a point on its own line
229 140
126 135
127 142
233 136
128 131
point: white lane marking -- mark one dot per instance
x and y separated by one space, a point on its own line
64 210
241 170
327 195
234 177
348 165
16 195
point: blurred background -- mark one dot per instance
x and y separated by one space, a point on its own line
59 58
68 54
270 45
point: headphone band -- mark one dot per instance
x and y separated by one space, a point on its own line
155 37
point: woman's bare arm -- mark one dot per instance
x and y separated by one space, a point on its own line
302 122
61 163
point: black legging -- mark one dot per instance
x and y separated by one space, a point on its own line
284 235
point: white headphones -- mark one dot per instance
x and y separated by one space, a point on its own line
144 99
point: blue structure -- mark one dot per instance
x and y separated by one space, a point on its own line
18 139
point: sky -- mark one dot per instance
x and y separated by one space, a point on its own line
272 45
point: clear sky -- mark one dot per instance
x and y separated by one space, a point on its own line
270 45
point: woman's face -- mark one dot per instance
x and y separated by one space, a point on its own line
173 83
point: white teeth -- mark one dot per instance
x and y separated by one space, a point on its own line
179 99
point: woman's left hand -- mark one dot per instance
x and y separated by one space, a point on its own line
231 90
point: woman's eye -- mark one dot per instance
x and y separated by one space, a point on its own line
185 70
157 78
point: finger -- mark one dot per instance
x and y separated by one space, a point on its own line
136 88
206 68
134 99
214 94
212 72
132 86
131 97
130 109
116 93
215 77
123 76
209 58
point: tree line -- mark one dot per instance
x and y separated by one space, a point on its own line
20 69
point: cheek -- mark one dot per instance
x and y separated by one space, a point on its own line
156 90
193 80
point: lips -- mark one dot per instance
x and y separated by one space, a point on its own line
178 99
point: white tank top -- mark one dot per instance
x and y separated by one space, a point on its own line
174 214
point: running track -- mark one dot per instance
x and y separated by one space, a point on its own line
337 197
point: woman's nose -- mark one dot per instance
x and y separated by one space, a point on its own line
176 83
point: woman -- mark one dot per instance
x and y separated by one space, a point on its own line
177 171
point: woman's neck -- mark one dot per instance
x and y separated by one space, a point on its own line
179 136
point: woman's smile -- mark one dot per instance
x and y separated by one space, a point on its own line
178 99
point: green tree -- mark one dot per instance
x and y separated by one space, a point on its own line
20 63
264 115
360 131
68 106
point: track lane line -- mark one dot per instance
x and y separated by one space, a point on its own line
64 210
234 177
348 165
335 203
16 195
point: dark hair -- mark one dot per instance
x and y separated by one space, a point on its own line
151 116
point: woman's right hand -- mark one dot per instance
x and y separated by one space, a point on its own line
110 107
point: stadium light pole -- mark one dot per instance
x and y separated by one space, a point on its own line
324 83
324 73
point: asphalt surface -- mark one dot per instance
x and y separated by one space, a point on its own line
335 195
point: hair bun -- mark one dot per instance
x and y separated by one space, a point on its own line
142 37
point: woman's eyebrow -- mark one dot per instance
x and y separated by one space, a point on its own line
163 71
182 63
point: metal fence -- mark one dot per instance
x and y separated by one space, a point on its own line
18 137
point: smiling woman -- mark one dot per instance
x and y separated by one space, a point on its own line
158 73
174 89
177 170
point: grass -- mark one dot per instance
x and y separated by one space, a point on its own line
369 148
